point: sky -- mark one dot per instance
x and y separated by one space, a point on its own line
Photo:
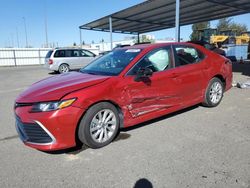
63 20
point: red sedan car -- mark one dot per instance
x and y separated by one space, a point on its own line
120 89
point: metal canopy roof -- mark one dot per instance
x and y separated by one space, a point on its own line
153 15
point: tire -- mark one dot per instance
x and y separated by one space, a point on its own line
63 68
214 93
99 125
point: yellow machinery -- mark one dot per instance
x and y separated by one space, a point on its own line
228 37
244 38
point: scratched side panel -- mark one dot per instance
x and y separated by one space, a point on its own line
158 93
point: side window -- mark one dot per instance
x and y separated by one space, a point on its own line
185 55
68 53
60 53
75 53
157 60
86 53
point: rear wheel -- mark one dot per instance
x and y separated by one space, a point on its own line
214 93
63 68
99 125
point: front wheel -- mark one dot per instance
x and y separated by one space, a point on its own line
214 93
99 125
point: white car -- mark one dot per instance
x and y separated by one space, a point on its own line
64 60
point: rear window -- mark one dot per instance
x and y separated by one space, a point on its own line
67 53
60 53
49 54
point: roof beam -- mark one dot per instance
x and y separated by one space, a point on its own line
155 15
107 30
228 5
139 21
156 8
202 19
153 28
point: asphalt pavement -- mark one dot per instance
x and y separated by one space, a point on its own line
196 147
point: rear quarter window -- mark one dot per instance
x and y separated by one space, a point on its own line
49 54
59 53
185 55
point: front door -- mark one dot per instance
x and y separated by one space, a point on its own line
158 92
85 58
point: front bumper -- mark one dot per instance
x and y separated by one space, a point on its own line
48 131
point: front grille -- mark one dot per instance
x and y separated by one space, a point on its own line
32 132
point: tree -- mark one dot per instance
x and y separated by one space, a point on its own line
224 24
228 24
145 38
74 44
238 28
195 35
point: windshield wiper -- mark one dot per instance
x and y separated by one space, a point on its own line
87 72
91 73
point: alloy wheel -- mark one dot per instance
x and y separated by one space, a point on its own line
216 92
103 125
64 68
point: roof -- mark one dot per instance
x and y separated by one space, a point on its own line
156 45
153 15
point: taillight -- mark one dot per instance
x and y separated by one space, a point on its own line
50 61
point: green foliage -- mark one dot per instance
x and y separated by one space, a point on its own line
196 28
228 24
144 38
224 24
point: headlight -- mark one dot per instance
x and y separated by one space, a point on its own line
50 106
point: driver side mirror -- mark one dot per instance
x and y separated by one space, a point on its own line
143 74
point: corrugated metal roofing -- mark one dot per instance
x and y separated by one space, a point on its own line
153 15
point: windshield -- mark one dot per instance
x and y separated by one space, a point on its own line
111 64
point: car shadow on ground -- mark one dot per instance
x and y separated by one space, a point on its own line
123 133
243 68
82 147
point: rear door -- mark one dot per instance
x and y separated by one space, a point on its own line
189 65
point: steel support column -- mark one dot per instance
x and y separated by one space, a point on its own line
138 38
111 30
80 33
177 21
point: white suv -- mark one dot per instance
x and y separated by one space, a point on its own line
64 60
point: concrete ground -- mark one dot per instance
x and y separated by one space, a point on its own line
196 147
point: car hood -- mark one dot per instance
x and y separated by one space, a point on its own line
54 88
